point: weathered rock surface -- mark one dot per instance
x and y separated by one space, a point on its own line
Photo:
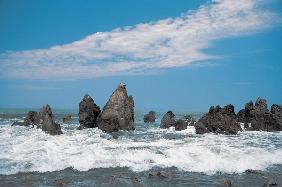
189 120
168 120
43 119
181 125
88 113
258 117
150 117
218 120
67 119
118 113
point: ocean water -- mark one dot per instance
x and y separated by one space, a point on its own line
90 157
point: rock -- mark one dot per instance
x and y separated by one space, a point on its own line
31 118
88 113
227 183
150 117
259 117
218 120
168 120
270 183
48 124
118 113
158 175
67 119
180 125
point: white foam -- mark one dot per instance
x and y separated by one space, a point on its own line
26 149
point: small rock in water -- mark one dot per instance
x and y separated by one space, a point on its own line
227 183
168 120
150 117
270 183
67 119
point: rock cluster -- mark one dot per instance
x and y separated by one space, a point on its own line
218 120
150 117
43 119
168 121
88 113
258 117
118 113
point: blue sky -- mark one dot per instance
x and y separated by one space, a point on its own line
184 55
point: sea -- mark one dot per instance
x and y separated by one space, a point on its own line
147 156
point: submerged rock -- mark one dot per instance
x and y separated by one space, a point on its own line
258 117
168 120
43 119
150 117
88 113
218 120
118 113
67 119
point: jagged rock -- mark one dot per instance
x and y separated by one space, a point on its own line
88 113
48 124
43 119
168 120
150 117
67 119
258 117
218 120
118 113
31 118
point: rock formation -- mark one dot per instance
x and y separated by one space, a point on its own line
258 117
43 119
150 117
168 120
88 113
48 124
118 113
218 120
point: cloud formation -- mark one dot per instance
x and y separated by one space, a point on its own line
143 48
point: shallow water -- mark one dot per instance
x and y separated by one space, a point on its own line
89 157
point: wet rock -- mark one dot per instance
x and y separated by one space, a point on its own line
218 120
118 113
158 175
270 183
88 113
150 117
48 124
180 125
32 118
257 117
67 119
168 120
227 183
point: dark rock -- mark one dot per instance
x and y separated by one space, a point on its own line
180 125
32 118
48 124
270 183
227 183
158 175
18 123
150 117
168 120
88 113
218 120
118 113
67 119
259 118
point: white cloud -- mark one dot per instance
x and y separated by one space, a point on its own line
143 48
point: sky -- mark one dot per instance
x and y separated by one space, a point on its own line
183 55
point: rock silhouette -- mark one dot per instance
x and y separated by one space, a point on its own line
118 113
218 120
88 113
168 120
